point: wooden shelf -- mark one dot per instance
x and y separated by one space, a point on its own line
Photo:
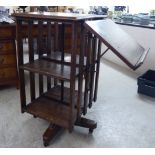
56 57
51 110
59 71
55 94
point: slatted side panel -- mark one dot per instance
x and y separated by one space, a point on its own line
93 53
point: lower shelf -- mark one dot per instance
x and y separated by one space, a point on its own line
52 111
55 93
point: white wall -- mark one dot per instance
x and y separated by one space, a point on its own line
146 37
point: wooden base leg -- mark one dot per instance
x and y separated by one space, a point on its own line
86 123
50 133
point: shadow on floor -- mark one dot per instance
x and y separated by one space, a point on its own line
129 72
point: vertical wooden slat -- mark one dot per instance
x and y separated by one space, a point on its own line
40 46
62 57
72 75
49 39
97 70
31 58
92 72
56 38
81 64
20 62
87 76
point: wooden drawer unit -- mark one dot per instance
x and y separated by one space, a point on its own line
7 46
7 31
7 73
8 62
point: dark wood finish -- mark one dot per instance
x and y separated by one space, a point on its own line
64 106
80 79
51 133
122 44
62 32
60 106
8 73
7 59
92 72
56 40
40 49
7 46
57 16
49 48
56 57
43 67
8 62
73 73
31 59
55 94
86 123
87 74
97 71
7 31
21 62
52 111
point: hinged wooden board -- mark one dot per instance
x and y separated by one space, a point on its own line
117 40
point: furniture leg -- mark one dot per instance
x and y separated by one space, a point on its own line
86 123
50 133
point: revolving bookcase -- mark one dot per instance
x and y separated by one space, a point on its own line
67 78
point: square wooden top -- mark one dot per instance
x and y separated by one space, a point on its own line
57 16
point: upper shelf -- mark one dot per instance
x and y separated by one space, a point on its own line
59 71
56 57
117 40
58 16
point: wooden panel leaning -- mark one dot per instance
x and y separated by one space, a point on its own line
118 41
